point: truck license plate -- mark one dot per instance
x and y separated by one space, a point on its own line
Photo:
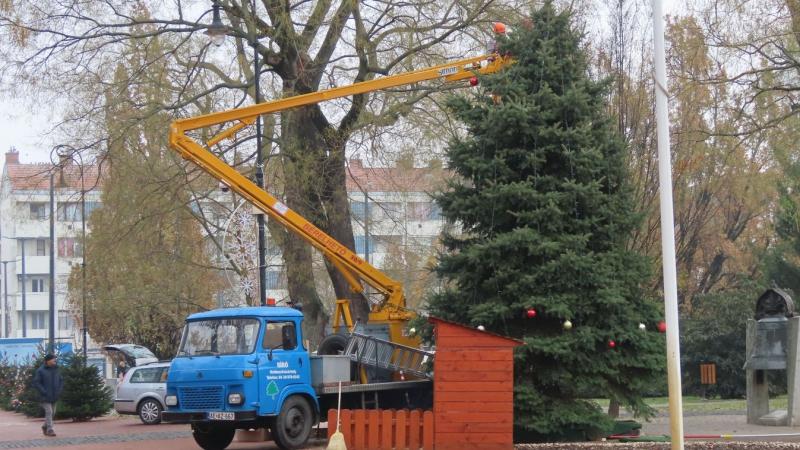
217 415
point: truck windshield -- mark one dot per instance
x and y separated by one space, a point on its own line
219 337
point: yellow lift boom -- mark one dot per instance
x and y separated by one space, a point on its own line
392 309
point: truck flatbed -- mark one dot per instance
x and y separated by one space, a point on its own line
373 387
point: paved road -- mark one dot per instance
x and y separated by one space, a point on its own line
107 433
735 424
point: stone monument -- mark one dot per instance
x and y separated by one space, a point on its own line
772 344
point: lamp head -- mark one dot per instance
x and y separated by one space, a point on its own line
216 31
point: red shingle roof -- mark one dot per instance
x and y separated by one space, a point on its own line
393 179
27 177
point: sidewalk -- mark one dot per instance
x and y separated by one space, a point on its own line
734 424
106 433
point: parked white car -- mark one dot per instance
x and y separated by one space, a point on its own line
142 392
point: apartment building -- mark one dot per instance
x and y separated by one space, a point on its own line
25 235
392 209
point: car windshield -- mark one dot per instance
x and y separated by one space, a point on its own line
219 337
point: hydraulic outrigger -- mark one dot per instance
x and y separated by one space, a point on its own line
392 309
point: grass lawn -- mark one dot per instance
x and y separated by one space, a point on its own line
693 404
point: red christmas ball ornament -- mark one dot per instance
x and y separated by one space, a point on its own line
531 313
473 81
662 327
611 344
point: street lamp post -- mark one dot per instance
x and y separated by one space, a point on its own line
84 327
51 326
216 31
22 282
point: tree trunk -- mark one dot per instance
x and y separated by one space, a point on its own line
613 408
337 223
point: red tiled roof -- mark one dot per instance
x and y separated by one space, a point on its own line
393 179
27 177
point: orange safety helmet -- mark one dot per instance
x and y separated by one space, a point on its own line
500 28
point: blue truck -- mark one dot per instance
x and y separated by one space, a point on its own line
248 368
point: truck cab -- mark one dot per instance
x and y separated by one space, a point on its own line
243 368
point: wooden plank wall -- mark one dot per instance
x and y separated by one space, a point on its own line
472 390
377 429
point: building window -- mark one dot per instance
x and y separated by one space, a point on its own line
39 211
360 242
275 279
41 247
388 210
358 209
39 320
69 212
69 248
65 321
90 207
37 284
435 212
418 210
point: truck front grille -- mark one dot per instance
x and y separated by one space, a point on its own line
201 398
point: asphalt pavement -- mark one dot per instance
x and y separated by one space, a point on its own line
110 432
114 432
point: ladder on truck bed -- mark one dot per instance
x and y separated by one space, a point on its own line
374 352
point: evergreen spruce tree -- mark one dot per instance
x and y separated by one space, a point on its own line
782 262
29 398
85 394
544 211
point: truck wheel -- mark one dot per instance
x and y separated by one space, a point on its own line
332 344
213 438
293 424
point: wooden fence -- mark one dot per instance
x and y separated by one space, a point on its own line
377 429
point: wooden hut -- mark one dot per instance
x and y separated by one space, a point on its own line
473 388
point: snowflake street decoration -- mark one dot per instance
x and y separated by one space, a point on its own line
241 246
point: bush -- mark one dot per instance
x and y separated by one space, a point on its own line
714 332
29 398
7 381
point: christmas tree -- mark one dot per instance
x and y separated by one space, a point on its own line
85 394
544 211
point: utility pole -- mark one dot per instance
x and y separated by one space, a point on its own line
23 281
7 322
83 265
5 312
262 239
52 302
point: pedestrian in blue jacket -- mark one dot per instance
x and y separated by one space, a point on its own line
48 382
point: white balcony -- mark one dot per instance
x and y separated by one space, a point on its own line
35 301
34 265
29 333
30 228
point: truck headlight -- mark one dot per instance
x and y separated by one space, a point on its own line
171 400
235 399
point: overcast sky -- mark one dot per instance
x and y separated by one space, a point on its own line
24 126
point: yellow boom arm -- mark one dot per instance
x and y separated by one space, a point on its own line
352 267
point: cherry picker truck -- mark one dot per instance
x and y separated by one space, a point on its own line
247 368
